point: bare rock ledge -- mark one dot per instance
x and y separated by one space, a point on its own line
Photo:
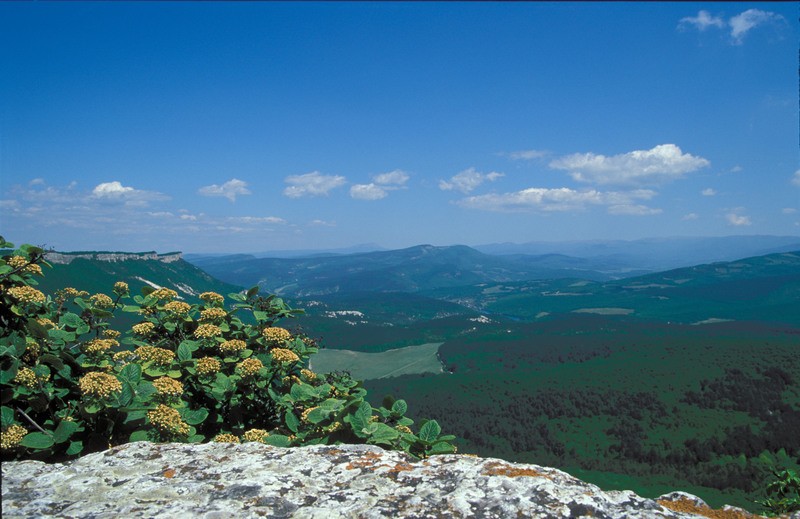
223 480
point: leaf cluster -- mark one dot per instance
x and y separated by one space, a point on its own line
184 373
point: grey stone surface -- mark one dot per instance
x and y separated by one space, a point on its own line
220 480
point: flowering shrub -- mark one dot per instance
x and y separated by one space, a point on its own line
185 373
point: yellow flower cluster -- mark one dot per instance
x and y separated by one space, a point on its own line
157 355
249 367
403 429
226 438
276 334
167 386
16 262
284 355
168 421
144 329
255 435
26 294
26 377
310 375
177 307
66 293
208 365
165 294
99 345
123 356
207 331
47 323
99 384
335 426
102 301
213 314
120 287
111 334
306 412
232 346
11 437
211 297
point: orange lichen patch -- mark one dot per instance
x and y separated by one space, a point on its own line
367 461
686 505
501 469
169 473
401 467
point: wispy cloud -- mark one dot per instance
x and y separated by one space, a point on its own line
381 185
468 180
744 22
524 154
322 223
702 21
788 210
738 220
739 25
562 199
708 192
368 191
230 189
312 184
690 216
796 178
658 165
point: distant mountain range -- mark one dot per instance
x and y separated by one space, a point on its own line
423 267
655 253
426 267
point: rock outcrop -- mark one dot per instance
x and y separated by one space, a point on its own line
65 258
223 480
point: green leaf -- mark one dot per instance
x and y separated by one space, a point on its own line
54 361
131 373
71 320
301 392
441 447
184 353
196 438
7 416
125 396
292 422
195 416
64 430
252 292
277 440
430 431
74 448
7 375
139 436
382 433
318 414
399 408
260 316
37 440
360 419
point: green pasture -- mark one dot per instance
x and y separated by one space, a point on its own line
410 360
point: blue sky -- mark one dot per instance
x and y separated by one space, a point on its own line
248 127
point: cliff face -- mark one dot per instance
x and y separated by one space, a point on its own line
253 480
65 258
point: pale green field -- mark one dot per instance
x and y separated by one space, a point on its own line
401 361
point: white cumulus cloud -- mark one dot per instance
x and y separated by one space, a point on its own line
708 192
660 164
115 191
230 189
380 186
738 220
312 184
468 180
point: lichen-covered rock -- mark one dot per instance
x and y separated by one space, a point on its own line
218 480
